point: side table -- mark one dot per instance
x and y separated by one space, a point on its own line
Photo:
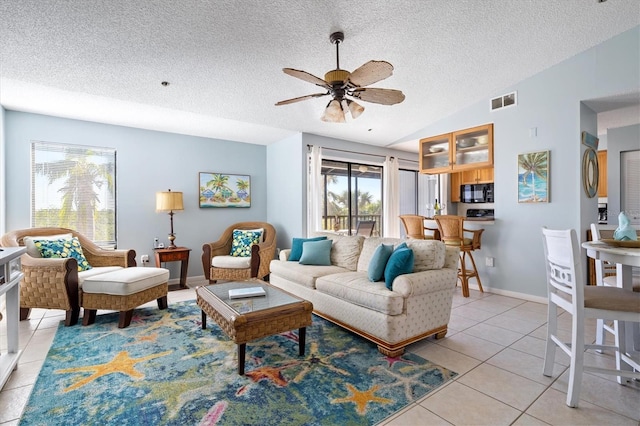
178 254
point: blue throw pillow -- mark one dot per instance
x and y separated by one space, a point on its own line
378 262
316 253
296 247
243 239
63 248
400 262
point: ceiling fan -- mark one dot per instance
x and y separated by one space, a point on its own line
343 85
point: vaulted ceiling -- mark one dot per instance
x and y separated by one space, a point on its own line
104 61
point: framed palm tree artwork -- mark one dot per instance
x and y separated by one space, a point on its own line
533 177
224 190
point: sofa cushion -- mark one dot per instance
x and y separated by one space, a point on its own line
400 262
96 270
305 275
427 254
231 262
243 239
296 247
125 281
316 253
355 287
378 262
62 249
345 250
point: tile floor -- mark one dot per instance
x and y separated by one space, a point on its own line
495 344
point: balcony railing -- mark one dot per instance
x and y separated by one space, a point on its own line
340 223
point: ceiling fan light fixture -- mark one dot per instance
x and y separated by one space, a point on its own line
355 108
333 113
336 76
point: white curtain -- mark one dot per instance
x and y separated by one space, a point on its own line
391 189
314 193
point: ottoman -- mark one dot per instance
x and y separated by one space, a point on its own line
123 290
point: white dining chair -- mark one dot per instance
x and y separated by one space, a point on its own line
566 289
606 275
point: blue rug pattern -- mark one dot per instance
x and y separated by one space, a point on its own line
165 370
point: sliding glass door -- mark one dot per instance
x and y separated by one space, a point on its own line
352 193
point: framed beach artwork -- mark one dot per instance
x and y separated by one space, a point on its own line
533 177
224 190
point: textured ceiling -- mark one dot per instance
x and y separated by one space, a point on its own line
104 60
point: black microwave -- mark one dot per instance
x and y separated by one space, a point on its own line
476 193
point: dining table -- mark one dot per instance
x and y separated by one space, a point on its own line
626 256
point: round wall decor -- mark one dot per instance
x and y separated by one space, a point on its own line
590 172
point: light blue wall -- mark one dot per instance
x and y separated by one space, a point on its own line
549 102
286 189
147 161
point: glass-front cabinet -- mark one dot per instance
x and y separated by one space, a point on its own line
457 151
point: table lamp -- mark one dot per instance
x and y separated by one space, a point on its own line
169 201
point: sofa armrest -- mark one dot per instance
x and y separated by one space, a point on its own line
261 256
51 277
124 258
284 254
424 282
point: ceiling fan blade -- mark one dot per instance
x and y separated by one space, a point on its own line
301 98
371 72
303 75
378 96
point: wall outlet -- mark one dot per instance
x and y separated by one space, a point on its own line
489 261
144 258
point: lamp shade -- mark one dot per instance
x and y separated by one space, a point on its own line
169 201
333 113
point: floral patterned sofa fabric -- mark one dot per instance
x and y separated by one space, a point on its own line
418 306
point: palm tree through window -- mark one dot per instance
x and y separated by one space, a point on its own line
74 186
352 193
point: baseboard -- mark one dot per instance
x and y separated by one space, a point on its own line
514 294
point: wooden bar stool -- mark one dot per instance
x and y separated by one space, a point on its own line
414 227
452 233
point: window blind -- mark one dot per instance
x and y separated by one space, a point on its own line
74 186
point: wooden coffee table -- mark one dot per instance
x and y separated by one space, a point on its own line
247 319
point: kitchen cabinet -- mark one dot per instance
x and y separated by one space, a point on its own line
602 173
457 151
467 177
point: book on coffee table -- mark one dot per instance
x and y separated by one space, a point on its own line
238 293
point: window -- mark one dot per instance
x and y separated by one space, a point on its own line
418 193
74 187
352 193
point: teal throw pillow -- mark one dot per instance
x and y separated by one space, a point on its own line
296 247
400 262
316 253
243 239
378 262
63 248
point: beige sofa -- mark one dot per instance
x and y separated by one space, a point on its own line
418 306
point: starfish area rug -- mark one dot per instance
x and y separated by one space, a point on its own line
164 369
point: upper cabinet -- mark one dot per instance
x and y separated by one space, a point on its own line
602 173
458 151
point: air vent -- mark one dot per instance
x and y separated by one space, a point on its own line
504 101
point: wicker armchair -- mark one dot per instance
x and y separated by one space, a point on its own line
54 283
261 254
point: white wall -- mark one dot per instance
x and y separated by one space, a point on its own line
147 161
550 103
